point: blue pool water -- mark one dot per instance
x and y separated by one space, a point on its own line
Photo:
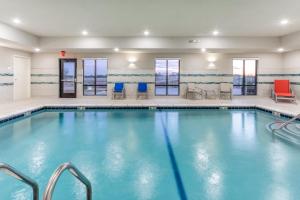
143 154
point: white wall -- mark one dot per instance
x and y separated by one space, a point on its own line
6 72
291 63
194 68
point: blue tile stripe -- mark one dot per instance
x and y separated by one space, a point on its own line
6 84
272 75
152 82
6 74
270 82
176 172
44 75
152 75
44 83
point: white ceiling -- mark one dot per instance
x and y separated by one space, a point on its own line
161 17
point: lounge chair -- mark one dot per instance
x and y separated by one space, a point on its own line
193 92
282 91
119 91
225 90
142 91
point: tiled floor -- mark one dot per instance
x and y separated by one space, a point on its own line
12 108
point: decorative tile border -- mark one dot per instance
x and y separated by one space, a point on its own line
6 74
151 82
272 75
171 107
44 83
44 75
152 75
6 84
270 82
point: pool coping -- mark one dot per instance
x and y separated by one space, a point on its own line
29 111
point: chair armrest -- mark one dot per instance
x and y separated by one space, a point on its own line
272 93
292 92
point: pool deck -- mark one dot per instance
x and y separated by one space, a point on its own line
9 109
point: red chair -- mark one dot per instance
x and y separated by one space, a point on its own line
283 91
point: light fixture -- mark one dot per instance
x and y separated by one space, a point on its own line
131 60
280 50
116 49
211 59
146 32
284 22
211 65
215 32
84 32
37 49
203 50
17 21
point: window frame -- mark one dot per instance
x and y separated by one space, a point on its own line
244 85
95 85
167 76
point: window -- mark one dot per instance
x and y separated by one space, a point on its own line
95 77
167 77
244 76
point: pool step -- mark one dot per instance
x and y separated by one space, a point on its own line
290 132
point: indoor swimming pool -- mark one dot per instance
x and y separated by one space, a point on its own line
184 154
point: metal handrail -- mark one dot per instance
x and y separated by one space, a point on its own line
18 175
286 123
75 172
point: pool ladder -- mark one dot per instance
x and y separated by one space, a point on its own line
286 130
7 169
284 124
52 181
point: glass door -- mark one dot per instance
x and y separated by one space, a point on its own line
67 76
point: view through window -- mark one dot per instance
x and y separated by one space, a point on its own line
244 76
95 77
167 77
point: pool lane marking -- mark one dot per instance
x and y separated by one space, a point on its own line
179 182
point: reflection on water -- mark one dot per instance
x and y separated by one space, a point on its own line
278 192
244 129
201 159
145 182
211 176
22 194
214 185
279 166
114 159
38 157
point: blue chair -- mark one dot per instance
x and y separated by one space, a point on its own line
142 90
119 91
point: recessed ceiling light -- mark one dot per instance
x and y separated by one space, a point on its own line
280 49
284 21
203 50
215 32
37 49
84 32
116 49
146 32
17 21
